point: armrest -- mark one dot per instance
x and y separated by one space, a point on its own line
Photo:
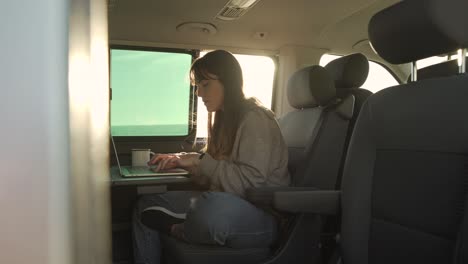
319 202
263 196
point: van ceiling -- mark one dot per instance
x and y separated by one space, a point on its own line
330 24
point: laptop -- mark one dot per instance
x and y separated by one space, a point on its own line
129 171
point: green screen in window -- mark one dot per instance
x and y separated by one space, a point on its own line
150 93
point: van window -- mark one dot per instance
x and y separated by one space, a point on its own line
151 92
378 78
258 73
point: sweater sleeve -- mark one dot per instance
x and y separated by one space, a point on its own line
258 151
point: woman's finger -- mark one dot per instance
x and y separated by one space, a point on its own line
170 163
160 157
159 165
155 159
162 163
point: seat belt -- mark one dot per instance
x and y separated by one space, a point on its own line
302 165
341 110
330 238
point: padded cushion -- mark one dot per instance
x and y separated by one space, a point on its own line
417 29
349 71
297 126
180 252
310 87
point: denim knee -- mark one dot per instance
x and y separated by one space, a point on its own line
205 223
226 219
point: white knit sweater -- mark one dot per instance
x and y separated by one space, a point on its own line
259 157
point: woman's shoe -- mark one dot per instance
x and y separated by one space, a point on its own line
160 218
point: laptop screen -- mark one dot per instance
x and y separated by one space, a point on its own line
116 155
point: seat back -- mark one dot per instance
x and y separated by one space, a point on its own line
405 184
316 130
350 73
309 91
317 161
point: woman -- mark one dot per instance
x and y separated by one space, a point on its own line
244 149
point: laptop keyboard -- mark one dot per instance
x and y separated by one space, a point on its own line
139 170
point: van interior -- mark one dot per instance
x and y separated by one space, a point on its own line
370 97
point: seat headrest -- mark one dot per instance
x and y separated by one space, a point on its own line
349 71
415 29
310 87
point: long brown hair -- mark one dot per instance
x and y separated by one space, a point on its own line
222 132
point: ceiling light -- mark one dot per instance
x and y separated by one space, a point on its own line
234 9
242 3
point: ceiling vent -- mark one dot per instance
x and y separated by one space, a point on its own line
234 9
197 27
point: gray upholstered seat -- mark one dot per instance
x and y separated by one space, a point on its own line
405 184
350 73
404 196
309 91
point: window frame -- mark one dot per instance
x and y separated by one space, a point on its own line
275 87
192 116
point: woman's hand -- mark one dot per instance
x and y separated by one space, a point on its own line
175 160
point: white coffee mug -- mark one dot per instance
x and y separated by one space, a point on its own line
140 157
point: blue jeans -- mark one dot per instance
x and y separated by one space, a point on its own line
214 218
